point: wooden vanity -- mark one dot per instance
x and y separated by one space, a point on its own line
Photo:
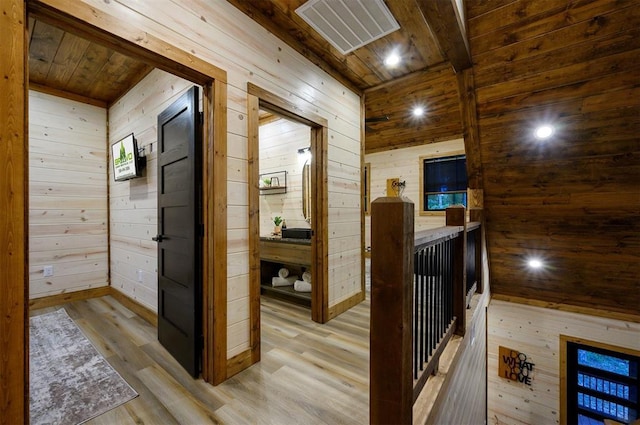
290 251
295 255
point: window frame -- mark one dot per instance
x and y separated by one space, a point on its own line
421 160
570 346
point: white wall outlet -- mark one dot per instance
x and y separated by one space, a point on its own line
47 271
140 275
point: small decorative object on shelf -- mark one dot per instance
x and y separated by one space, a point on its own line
277 221
273 183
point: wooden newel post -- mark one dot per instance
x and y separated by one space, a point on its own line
456 217
477 214
392 245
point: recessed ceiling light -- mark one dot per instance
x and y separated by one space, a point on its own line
535 263
544 132
392 60
418 111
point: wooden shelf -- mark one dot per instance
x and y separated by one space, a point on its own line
293 254
269 188
277 183
287 293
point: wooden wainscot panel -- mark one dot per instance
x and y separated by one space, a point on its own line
538 332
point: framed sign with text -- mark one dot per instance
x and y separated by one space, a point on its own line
514 365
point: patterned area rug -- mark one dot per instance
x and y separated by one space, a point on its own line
70 382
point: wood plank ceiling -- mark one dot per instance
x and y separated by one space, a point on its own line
390 92
572 201
69 66
364 67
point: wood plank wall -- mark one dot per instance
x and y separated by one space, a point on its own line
405 164
572 200
133 203
457 394
462 397
344 218
435 89
216 32
279 144
536 331
67 195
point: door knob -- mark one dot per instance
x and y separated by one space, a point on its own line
157 238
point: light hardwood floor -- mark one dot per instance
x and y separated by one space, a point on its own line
309 373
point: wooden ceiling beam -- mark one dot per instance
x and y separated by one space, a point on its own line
415 26
469 117
447 24
429 73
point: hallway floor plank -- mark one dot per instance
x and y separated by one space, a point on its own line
309 373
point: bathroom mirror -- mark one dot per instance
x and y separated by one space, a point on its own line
306 191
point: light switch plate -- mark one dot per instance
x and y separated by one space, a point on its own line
47 271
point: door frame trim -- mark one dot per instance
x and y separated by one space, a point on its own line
108 30
257 98
14 267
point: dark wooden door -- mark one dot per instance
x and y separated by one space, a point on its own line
179 235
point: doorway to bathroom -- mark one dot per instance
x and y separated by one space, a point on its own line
285 189
316 239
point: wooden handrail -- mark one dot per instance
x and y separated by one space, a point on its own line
432 236
393 386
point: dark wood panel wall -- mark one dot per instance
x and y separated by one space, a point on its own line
572 200
435 89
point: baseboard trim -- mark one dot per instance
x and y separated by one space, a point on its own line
68 297
145 312
85 294
341 307
239 362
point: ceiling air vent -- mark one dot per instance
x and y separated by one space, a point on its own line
348 24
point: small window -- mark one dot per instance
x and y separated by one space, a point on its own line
601 384
444 182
